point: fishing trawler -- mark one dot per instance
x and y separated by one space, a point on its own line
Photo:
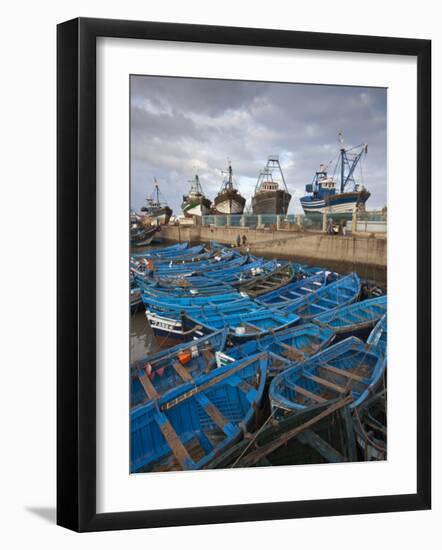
228 200
323 195
271 196
157 211
195 203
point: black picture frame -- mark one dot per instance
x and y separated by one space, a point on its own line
76 273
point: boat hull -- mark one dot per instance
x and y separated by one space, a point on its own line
271 202
196 207
229 202
160 216
342 203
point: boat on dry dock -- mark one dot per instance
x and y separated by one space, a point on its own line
271 192
229 201
156 211
195 203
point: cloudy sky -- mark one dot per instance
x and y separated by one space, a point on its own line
181 126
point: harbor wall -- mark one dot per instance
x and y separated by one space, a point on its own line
364 253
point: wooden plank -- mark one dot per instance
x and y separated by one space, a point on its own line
292 352
324 382
215 380
212 410
151 392
251 326
174 442
181 371
308 394
342 372
265 450
308 437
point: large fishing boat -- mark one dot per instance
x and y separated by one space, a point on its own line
271 196
195 203
228 200
322 193
157 210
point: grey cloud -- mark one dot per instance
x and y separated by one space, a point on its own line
180 125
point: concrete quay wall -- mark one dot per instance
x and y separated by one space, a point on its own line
365 254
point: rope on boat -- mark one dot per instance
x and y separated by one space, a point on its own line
253 439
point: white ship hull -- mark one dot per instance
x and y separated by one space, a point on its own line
229 207
197 210
346 208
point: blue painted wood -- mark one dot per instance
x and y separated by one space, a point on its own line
290 346
187 286
341 292
293 291
161 372
205 417
355 317
242 326
305 384
211 306
378 336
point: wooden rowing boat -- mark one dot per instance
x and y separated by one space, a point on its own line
354 319
285 348
153 375
340 293
269 281
190 426
350 366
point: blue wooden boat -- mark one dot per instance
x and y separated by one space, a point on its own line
348 366
355 318
269 280
209 266
183 286
340 293
182 258
286 294
378 336
211 306
178 303
168 250
135 299
153 375
293 345
245 273
190 426
242 326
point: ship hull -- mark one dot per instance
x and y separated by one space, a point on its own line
198 207
160 216
271 202
342 203
229 203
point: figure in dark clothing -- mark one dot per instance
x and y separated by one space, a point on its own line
238 240
244 240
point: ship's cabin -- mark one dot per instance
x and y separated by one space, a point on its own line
322 184
269 186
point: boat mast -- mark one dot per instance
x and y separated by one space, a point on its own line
157 190
349 161
273 162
